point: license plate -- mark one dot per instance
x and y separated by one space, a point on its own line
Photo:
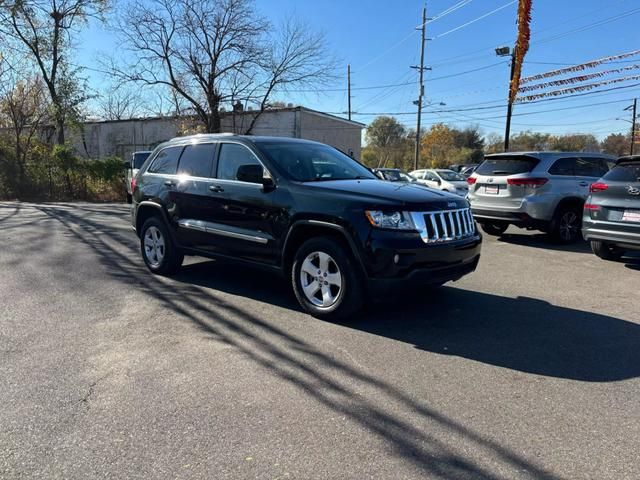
631 216
491 189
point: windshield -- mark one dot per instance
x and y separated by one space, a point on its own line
309 162
450 176
139 158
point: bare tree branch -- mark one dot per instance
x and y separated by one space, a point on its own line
213 53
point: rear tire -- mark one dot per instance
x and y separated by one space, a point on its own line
160 254
606 251
566 225
494 228
326 279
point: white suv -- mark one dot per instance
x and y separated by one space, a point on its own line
442 179
535 190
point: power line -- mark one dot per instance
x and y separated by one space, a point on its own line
459 27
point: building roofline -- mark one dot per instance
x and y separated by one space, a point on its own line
228 113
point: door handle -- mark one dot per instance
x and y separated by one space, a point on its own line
170 183
584 184
216 188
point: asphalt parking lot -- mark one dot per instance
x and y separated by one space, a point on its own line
529 368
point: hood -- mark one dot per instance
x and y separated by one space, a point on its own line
380 192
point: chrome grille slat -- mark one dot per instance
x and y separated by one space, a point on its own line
445 225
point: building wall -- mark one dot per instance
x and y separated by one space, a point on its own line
341 134
121 138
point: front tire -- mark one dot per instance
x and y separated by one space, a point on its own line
160 254
494 228
325 279
606 251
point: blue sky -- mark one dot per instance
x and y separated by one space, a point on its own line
379 40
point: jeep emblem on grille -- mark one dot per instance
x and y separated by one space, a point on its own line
452 205
633 190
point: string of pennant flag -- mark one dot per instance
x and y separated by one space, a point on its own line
577 68
577 79
579 88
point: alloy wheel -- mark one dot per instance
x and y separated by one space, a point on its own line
321 279
569 226
154 246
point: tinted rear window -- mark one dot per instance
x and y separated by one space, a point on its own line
624 172
167 161
197 160
506 165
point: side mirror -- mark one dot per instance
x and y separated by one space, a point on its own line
250 173
126 165
255 174
438 181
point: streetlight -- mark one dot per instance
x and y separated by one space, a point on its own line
506 52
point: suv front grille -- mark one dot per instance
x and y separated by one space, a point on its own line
444 226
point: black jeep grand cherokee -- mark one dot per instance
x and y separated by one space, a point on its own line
304 209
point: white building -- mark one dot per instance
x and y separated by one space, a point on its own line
122 137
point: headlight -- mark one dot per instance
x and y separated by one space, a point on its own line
395 220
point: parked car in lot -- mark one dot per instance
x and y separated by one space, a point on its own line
467 170
535 190
442 179
393 175
611 220
303 209
132 168
464 169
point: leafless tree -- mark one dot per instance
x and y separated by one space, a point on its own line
216 52
44 30
120 103
23 111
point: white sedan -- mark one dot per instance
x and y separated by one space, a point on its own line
441 179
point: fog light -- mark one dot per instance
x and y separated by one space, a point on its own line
396 258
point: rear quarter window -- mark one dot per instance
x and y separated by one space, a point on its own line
166 161
507 165
624 172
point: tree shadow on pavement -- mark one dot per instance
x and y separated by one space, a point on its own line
524 334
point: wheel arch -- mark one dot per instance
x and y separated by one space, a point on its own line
569 202
303 230
147 209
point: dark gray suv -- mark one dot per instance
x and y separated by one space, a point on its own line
611 220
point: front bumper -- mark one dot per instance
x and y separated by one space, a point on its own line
399 260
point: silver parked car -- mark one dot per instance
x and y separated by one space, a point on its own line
442 179
611 220
535 190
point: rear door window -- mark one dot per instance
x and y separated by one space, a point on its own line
564 167
507 165
197 160
167 161
590 167
624 172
